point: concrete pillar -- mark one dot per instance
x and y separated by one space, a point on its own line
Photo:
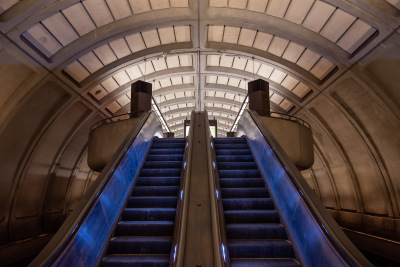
259 97
141 93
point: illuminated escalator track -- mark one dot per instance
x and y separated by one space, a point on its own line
255 234
144 234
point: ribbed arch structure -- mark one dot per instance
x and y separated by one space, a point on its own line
66 64
192 56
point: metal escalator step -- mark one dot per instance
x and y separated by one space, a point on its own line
244 182
140 245
237 166
256 231
162 164
251 216
239 173
148 214
160 172
152 202
237 262
248 204
260 249
136 260
250 192
158 181
155 191
145 228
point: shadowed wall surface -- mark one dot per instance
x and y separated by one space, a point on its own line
65 65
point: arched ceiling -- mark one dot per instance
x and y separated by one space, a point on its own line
197 54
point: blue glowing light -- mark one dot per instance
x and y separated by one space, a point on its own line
214 164
223 252
181 194
212 145
187 144
175 252
184 165
216 193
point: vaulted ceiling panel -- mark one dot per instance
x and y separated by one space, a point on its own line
318 16
218 3
91 62
293 52
119 8
179 3
5 5
301 90
278 46
289 82
238 4
182 33
140 6
151 38
122 78
40 37
277 8
120 47
262 41
99 12
231 35
159 4
338 23
98 92
134 72
355 36
105 54
247 37
215 33
79 19
257 5
123 100
173 61
135 42
113 107
322 68
298 10
167 35
110 84
308 59
77 71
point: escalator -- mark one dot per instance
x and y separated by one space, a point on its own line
200 201
144 234
255 234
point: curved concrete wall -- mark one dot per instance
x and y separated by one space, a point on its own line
45 117
355 122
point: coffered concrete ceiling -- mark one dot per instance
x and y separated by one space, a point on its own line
198 54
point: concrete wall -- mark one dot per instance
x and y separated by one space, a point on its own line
356 128
43 149
45 117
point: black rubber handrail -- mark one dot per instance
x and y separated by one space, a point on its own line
325 221
113 119
176 252
224 260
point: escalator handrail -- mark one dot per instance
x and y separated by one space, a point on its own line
328 226
221 257
176 258
66 233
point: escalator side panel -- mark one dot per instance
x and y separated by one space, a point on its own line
92 235
313 245
145 230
